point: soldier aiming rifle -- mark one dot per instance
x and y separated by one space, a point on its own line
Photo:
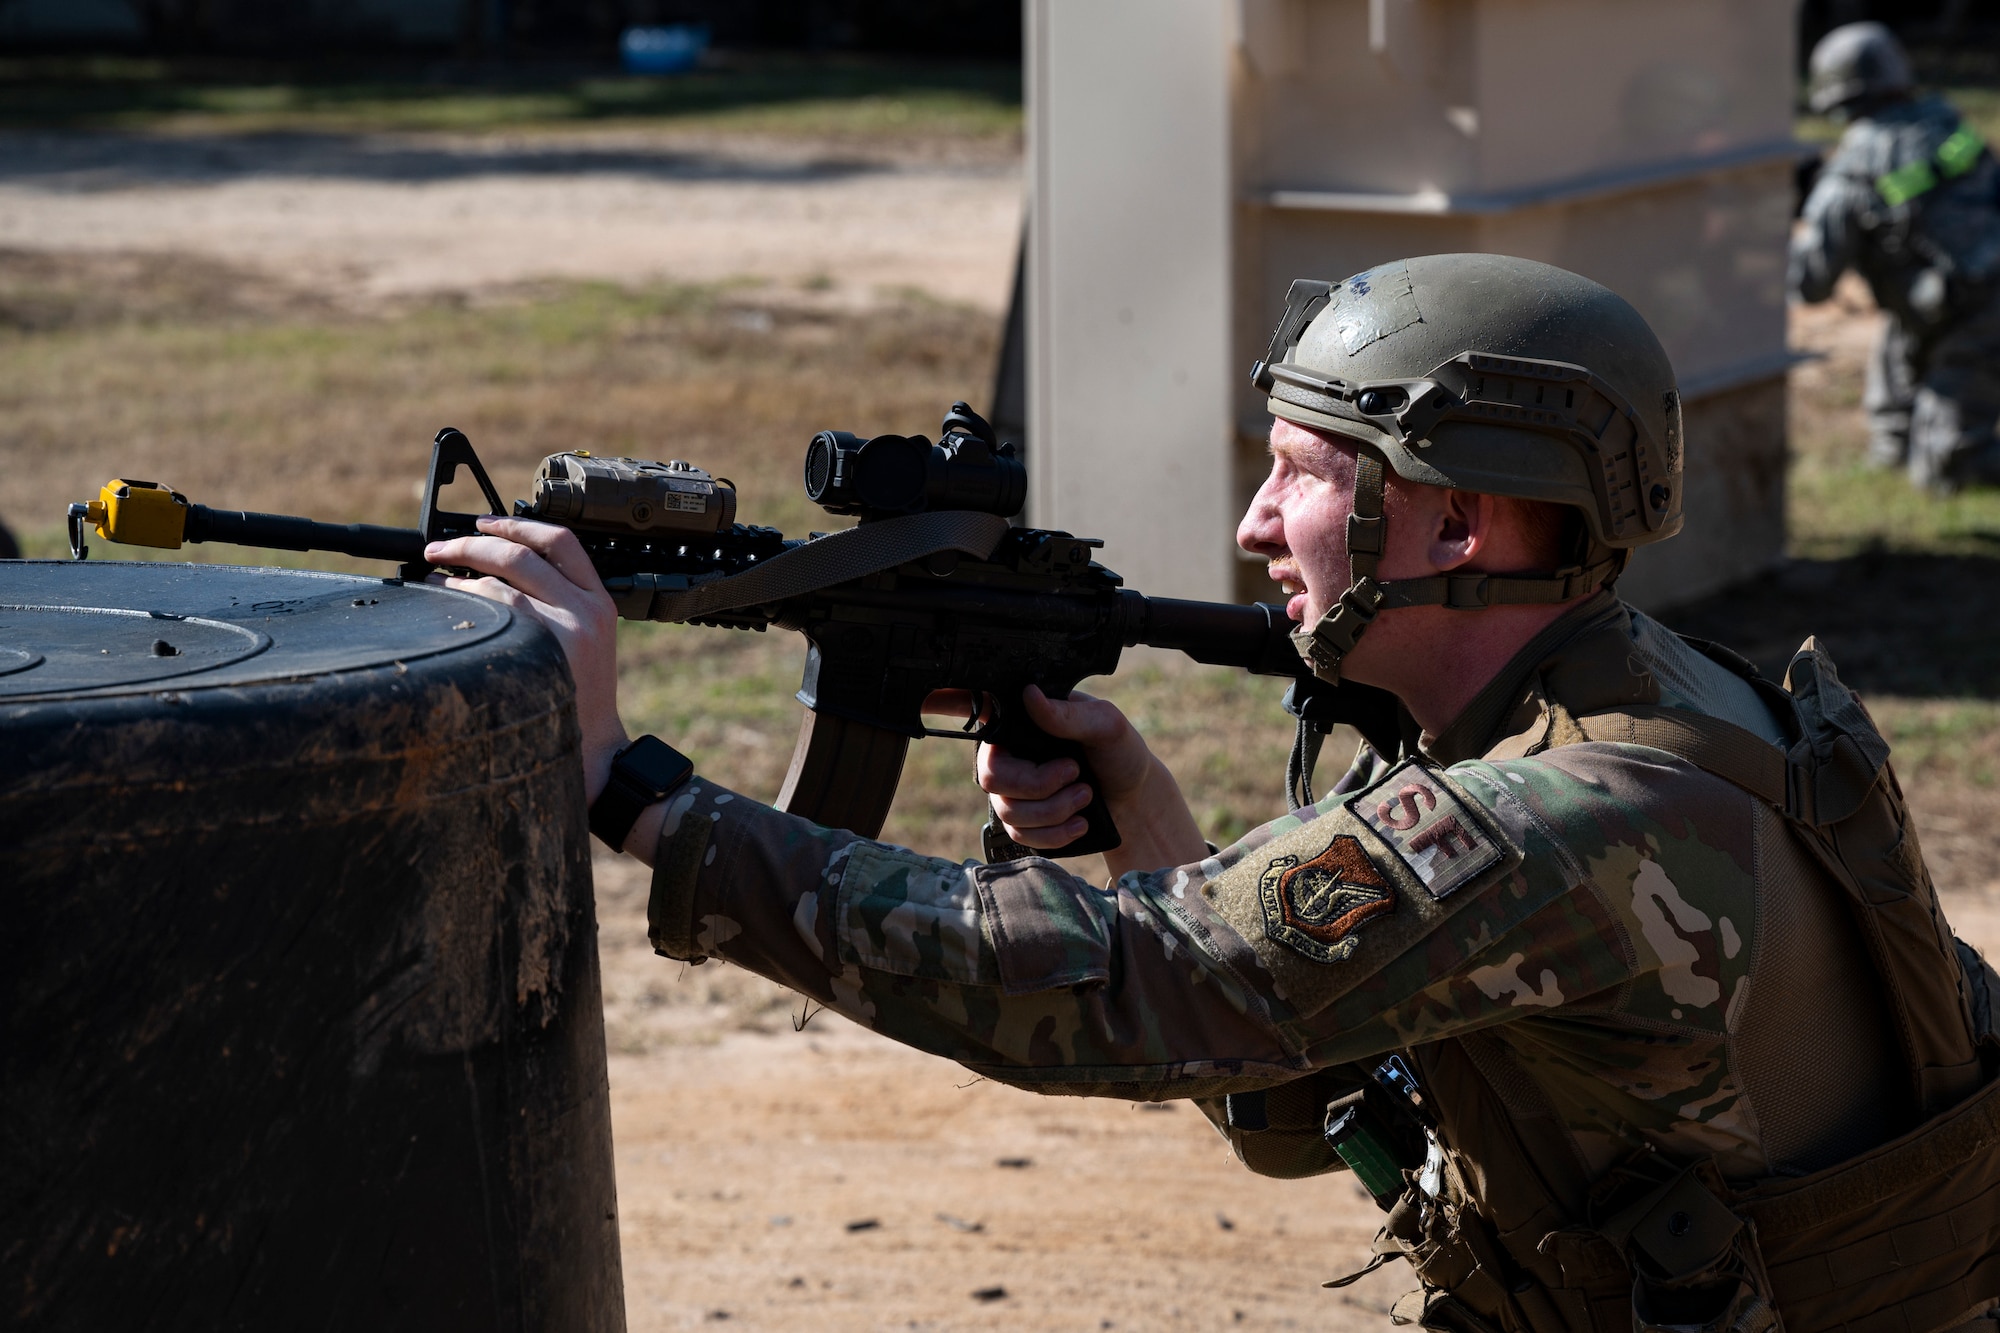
1611 969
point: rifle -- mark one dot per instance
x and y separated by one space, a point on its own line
932 589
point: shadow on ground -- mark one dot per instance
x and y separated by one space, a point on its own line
112 161
1904 624
102 93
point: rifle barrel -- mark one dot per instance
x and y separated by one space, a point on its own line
284 532
1256 637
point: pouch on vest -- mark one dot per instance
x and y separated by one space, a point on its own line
1280 1132
1846 804
1695 1264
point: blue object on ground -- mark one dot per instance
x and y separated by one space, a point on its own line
673 49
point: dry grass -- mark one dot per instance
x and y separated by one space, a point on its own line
248 395
863 102
243 392
240 394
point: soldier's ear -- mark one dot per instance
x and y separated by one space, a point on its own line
1459 525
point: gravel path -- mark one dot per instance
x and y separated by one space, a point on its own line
375 217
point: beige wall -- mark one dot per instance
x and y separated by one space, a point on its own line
1458 96
1734 500
1644 145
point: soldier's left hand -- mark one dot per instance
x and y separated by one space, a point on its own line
541 571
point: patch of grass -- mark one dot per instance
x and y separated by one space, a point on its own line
1838 505
1841 509
820 97
245 402
1942 741
217 384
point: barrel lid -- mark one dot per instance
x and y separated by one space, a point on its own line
106 627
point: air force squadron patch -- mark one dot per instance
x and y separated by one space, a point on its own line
1332 898
1442 842
1316 906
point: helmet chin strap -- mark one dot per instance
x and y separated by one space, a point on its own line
1326 644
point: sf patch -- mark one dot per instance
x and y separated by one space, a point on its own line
1443 843
1316 906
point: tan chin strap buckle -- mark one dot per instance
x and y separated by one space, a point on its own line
1328 643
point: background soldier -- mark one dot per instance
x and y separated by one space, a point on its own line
1911 200
1605 948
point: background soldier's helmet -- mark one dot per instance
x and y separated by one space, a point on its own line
1482 373
1855 62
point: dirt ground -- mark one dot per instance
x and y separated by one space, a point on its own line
828 1179
372 216
771 1177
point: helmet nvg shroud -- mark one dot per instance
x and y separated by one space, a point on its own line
1480 373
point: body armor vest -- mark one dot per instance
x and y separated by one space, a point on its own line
1506 1233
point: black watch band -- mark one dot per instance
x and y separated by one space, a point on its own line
645 772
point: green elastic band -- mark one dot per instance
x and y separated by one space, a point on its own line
1956 155
1905 183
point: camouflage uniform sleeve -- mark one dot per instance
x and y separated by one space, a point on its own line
1019 970
1827 238
1428 904
1629 903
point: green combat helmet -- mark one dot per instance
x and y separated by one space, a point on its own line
1856 62
1481 373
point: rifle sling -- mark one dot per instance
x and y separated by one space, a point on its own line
1730 752
837 557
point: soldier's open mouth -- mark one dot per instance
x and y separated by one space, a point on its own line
1293 587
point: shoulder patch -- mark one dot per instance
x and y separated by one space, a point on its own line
1348 895
1429 829
1316 906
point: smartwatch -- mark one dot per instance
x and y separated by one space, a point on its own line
645 772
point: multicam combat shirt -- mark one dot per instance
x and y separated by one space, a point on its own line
1641 934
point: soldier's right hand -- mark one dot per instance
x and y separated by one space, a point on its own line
1040 804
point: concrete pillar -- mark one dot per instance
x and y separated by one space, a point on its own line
1128 284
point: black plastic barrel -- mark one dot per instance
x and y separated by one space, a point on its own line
298 969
